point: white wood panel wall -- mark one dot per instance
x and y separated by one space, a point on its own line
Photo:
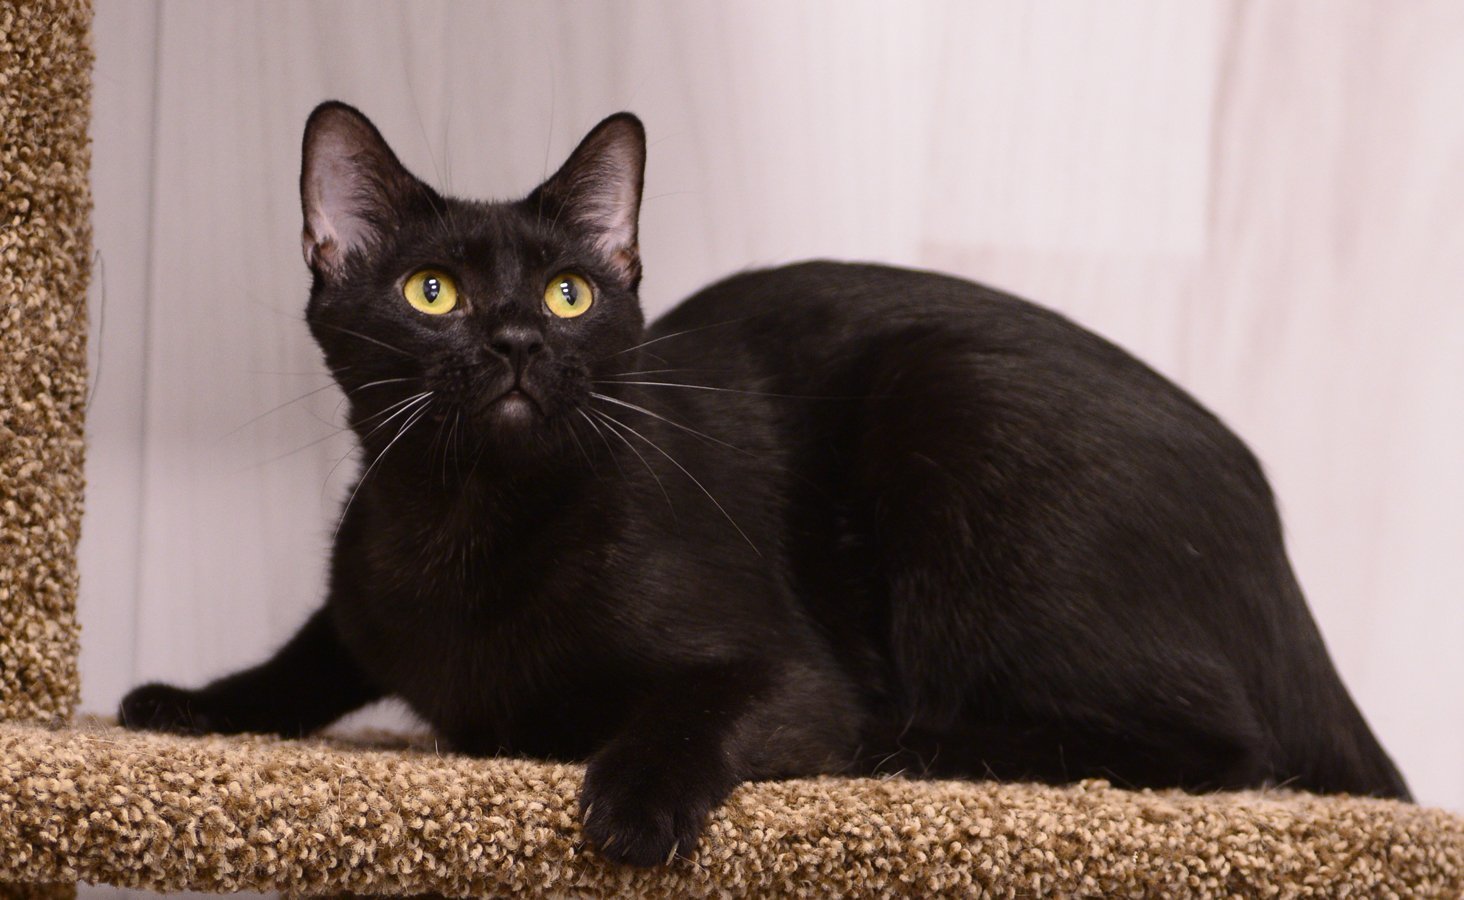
1266 201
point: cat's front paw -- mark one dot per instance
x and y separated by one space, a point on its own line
637 812
162 707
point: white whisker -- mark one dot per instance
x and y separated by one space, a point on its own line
667 337
367 337
276 409
609 451
654 415
638 455
399 406
574 436
451 445
403 405
406 426
346 395
654 446
281 456
650 372
722 390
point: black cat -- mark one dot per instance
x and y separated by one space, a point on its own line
825 518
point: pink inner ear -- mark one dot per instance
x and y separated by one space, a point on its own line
335 195
609 205
331 231
627 262
319 248
613 241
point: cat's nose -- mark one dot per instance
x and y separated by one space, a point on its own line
516 343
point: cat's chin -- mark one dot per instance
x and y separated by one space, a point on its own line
514 422
515 409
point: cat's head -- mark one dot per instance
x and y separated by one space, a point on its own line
457 326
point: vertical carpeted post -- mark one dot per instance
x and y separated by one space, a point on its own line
45 248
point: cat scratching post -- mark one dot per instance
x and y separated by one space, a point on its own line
45 238
89 802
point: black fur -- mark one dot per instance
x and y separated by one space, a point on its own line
867 520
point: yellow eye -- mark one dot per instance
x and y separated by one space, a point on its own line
568 295
431 291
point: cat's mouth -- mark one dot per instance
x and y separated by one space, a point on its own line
515 406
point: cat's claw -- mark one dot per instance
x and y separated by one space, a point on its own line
642 837
638 823
162 707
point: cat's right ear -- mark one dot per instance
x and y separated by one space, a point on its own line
350 183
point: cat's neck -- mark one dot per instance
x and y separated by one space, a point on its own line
485 498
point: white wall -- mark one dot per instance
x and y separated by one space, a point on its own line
1266 201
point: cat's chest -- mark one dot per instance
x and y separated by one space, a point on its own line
496 646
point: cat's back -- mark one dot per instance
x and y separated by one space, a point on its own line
831 300
824 328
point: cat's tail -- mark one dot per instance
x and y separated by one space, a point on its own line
1343 756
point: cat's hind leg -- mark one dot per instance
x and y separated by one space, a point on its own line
1034 628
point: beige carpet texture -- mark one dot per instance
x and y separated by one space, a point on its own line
90 802
170 813
45 242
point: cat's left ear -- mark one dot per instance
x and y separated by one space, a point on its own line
598 192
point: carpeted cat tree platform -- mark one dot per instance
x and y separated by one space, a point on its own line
88 802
